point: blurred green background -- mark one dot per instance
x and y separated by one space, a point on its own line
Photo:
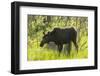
37 24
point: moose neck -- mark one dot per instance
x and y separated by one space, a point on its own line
52 39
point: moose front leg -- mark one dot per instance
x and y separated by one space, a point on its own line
60 48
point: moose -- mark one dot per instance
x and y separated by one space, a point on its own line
60 37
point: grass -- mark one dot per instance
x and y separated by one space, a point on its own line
38 53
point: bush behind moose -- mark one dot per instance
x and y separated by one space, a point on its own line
37 24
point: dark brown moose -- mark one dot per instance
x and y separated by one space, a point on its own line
61 36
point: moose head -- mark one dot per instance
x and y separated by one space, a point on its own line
46 38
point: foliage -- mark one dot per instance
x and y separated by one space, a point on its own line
37 24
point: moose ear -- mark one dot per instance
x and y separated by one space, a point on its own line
43 33
48 32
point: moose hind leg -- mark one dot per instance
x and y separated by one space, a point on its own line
69 48
75 44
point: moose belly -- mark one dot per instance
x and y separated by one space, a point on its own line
63 40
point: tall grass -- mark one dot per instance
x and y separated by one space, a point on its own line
43 53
